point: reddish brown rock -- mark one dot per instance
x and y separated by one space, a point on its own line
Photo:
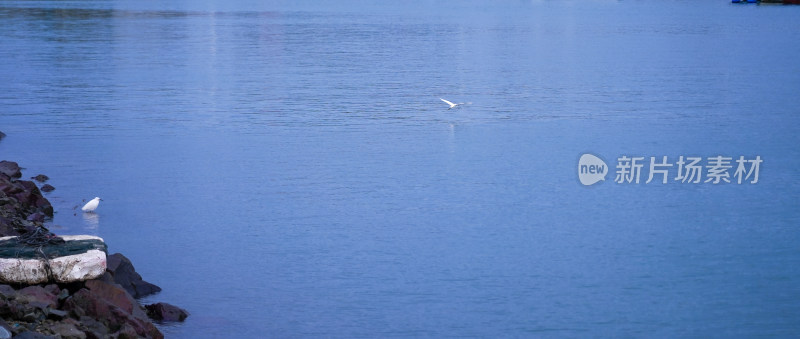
166 312
93 328
37 294
113 307
41 178
53 289
116 296
22 205
122 272
10 168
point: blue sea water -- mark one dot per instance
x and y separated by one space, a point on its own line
286 169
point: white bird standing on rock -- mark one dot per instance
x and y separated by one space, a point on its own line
91 205
452 105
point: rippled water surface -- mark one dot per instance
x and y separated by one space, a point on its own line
286 169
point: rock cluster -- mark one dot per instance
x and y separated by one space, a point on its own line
41 178
120 270
101 308
22 206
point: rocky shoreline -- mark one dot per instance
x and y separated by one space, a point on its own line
105 307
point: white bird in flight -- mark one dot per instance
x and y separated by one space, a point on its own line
91 205
452 105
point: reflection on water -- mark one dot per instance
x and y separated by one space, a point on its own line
91 221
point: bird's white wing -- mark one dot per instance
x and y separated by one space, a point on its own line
91 205
449 103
